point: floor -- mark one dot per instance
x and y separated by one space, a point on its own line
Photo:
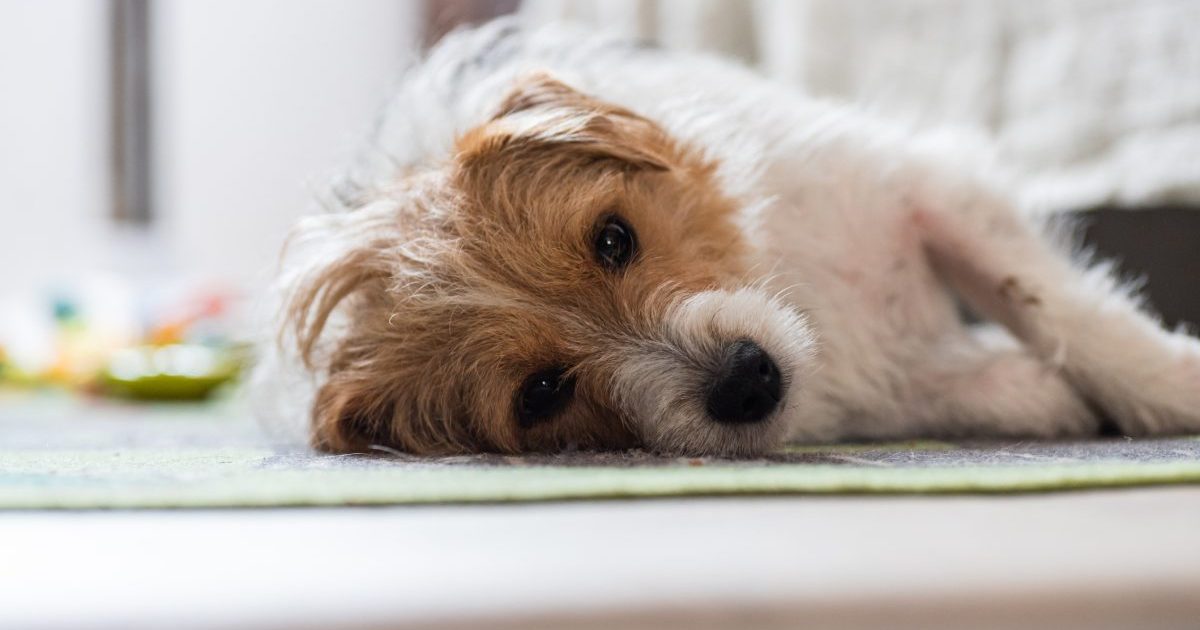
1084 559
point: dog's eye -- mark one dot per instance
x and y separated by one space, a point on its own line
543 395
615 244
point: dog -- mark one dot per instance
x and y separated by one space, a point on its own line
564 241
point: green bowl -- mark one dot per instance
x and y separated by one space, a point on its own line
174 372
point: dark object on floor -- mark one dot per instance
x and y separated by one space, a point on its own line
1160 245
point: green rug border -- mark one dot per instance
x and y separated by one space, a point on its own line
474 485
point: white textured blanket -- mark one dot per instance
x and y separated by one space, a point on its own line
1093 101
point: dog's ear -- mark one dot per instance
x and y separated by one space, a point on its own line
350 412
541 90
336 272
350 415
543 113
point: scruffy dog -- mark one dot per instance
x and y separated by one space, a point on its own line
564 241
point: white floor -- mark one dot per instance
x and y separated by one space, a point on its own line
1101 559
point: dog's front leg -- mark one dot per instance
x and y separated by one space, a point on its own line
965 388
1074 317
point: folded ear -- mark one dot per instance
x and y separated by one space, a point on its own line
541 90
544 113
349 415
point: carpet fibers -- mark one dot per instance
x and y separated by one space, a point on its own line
64 453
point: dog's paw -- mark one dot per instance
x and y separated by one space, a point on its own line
1164 401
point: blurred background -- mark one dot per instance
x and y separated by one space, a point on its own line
154 153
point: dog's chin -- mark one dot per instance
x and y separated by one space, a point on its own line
663 383
690 435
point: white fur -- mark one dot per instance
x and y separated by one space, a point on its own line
659 380
864 228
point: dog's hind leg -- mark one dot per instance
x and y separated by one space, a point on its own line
1074 318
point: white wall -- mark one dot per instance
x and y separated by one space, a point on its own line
261 100
256 102
53 153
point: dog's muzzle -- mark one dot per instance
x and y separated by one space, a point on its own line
747 386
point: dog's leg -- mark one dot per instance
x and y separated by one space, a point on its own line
966 388
1076 319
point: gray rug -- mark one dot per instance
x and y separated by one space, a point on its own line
58 452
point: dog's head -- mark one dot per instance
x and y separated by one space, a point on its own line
572 278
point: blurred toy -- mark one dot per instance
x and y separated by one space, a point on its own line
175 327
170 345
78 353
171 372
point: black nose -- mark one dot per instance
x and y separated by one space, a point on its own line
747 387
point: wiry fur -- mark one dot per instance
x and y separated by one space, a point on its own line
462 264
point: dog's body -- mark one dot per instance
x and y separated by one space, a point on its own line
454 308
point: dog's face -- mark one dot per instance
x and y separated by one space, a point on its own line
572 278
